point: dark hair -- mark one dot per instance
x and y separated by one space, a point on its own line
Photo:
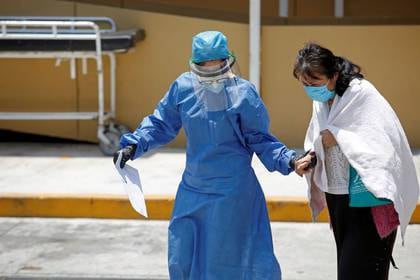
314 59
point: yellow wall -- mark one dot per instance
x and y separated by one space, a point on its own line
355 8
378 8
389 56
310 8
145 74
270 8
36 85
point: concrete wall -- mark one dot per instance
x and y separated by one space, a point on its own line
384 8
355 8
144 74
389 56
270 8
36 85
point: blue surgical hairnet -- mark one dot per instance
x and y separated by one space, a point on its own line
209 45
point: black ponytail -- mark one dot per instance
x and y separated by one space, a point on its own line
314 59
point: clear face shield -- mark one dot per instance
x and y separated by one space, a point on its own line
216 86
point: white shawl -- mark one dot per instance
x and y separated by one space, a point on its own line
371 137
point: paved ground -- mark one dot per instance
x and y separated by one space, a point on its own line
127 249
35 248
82 169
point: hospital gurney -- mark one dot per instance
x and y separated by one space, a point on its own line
71 38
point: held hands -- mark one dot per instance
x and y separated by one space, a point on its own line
127 154
328 139
303 163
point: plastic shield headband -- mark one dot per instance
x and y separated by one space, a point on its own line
208 74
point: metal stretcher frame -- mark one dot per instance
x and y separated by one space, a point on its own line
69 28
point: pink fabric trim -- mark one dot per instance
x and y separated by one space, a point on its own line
317 202
385 218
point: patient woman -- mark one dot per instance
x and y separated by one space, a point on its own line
365 174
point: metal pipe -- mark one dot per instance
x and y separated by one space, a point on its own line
73 68
48 36
52 27
48 115
52 54
57 62
339 8
84 66
54 34
107 20
254 42
112 84
284 8
99 68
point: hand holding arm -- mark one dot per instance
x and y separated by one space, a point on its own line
328 139
303 163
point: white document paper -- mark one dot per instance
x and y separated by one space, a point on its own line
132 185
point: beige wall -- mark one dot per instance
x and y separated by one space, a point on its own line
239 7
356 8
270 8
144 74
378 8
389 56
36 85
310 8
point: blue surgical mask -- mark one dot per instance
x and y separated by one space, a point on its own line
319 93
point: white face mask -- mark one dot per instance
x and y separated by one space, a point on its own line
215 87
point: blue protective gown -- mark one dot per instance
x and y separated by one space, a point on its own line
219 227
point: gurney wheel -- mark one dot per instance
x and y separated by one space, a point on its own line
113 146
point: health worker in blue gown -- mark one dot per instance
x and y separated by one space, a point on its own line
219 227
